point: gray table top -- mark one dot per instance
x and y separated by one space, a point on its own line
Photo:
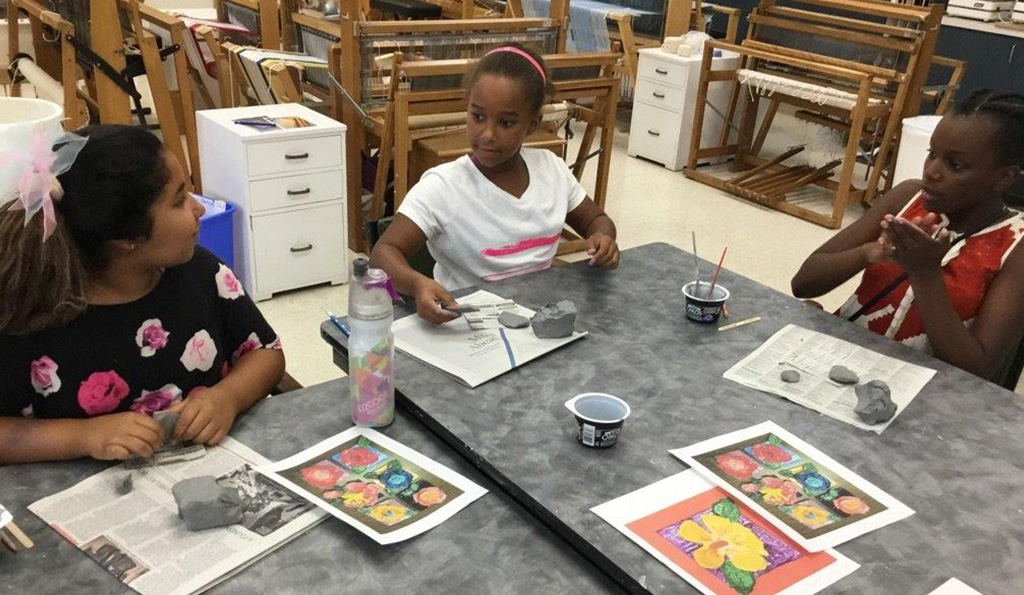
492 546
954 455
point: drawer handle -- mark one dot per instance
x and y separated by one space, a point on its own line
659 95
653 133
291 156
298 192
660 71
305 248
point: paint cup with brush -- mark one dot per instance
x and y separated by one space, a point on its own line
704 302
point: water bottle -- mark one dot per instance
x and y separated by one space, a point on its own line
371 346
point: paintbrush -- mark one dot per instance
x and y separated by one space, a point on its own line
714 280
696 264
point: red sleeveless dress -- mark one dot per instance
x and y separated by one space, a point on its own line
968 270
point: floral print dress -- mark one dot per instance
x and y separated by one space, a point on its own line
142 356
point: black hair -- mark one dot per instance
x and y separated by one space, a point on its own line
537 86
111 187
1007 111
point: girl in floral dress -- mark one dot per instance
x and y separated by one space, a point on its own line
114 313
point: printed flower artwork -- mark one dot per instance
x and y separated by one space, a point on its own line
151 337
810 514
396 480
772 453
391 512
777 491
360 458
361 494
250 344
738 465
324 475
228 285
814 483
430 496
157 400
851 505
44 376
200 352
101 392
735 549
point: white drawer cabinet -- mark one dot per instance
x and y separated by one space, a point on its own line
664 103
288 186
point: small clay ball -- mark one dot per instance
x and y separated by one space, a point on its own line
790 376
843 375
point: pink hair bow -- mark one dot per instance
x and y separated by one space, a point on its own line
30 177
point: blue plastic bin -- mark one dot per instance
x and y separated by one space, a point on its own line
217 234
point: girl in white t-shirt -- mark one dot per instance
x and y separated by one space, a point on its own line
498 212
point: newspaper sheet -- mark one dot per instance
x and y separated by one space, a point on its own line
139 538
813 354
471 349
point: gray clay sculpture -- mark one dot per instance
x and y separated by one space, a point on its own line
790 376
874 402
555 321
167 421
204 505
843 375
513 320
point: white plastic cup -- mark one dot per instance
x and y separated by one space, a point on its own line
599 417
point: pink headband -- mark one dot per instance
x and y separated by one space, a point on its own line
520 52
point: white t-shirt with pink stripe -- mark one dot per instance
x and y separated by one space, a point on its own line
477 231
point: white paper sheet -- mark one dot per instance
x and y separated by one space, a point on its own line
473 356
320 475
813 354
140 539
954 587
830 534
659 496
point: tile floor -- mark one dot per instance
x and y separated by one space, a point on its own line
648 204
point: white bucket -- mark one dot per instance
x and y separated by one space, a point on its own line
21 118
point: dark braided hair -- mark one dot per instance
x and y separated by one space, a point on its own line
510 65
1007 110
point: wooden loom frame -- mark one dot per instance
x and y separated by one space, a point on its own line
267 13
769 181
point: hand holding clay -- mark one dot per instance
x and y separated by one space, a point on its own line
603 251
874 402
120 435
429 297
205 417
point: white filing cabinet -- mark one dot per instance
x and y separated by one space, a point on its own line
664 102
288 186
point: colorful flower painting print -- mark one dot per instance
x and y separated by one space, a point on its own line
773 490
361 458
151 337
429 496
251 343
200 352
810 514
738 465
160 399
44 376
324 475
361 494
396 480
727 543
228 285
101 392
813 482
772 453
844 503
390 512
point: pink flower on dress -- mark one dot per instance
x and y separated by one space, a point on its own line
151 337
275 344
200 352
44 376
102 392
250 344
228 285
152 401
28 412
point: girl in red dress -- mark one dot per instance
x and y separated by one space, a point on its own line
942 272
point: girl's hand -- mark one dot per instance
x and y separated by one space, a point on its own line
875 251
206 417
429 297
913 249
603 251
120 435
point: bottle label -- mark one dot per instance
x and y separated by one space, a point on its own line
371 378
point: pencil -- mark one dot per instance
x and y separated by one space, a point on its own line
739 324
338 323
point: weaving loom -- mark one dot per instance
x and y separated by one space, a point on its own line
856 67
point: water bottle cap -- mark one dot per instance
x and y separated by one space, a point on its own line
360 266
